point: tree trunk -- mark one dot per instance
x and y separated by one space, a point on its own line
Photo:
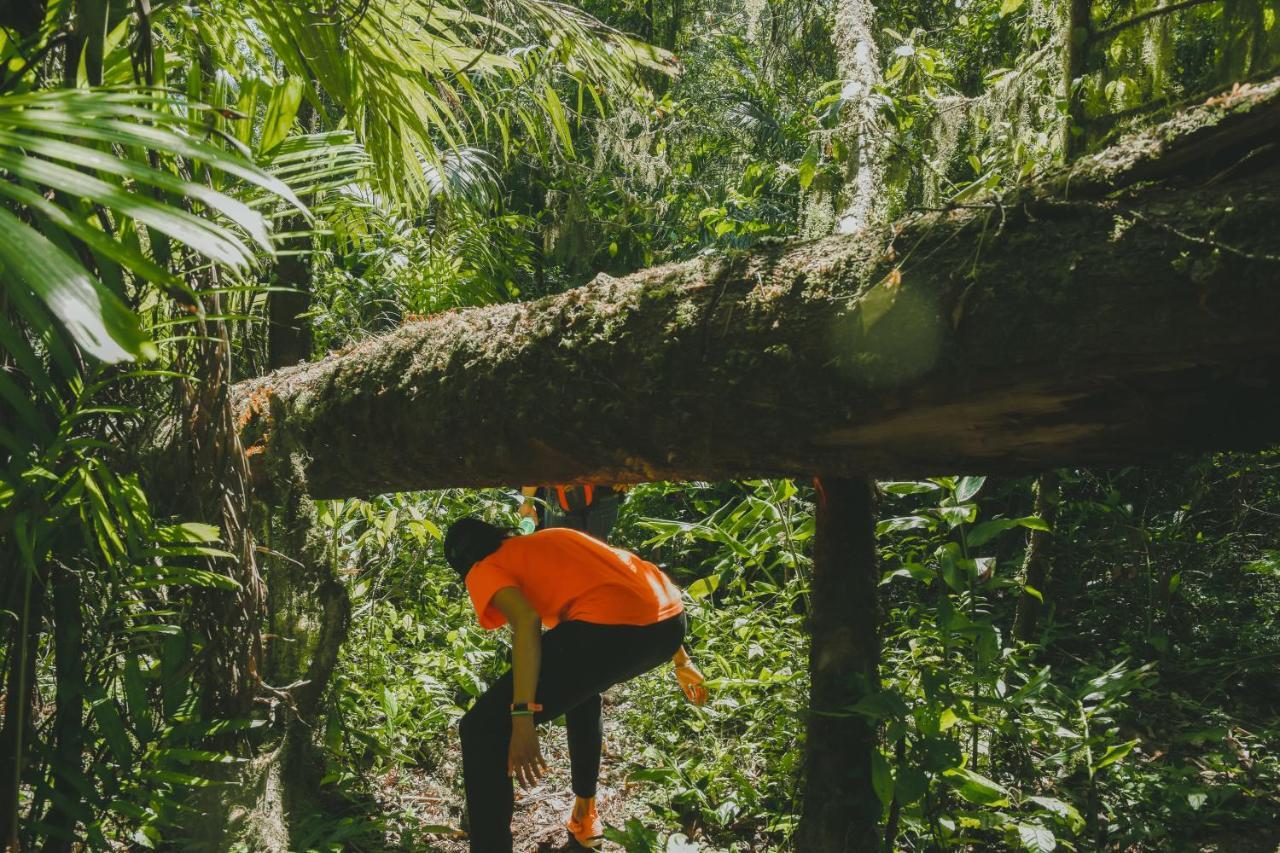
289 333
841 811
859 59
307 605
1039 558
19 705
1074 323
68 725
1074 37
289 337
209 479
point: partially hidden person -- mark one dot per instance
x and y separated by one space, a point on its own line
610 615
591 509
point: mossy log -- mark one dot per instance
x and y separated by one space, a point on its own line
1116 312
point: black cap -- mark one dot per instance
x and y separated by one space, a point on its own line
469 541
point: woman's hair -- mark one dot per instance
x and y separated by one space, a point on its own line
469 541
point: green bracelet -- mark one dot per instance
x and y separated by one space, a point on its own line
522 713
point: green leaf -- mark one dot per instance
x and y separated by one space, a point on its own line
555 111
1008 7
213 241
1115 753
906 522
955 516
947 719
882 705
881 776
909 785
194 531
135 693
808 165
1060 809
1036 838
988 530
96 319
104 162
282 109
703 587
968 487
976 788
907 487
113 731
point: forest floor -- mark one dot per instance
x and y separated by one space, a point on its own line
427 805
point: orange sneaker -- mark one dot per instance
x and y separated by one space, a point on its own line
587 831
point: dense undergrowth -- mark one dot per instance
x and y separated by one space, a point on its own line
1145 717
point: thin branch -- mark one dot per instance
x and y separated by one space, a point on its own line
1201 241
1128 23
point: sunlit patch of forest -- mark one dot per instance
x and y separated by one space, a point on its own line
201 651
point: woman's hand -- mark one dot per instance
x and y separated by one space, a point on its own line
691 682
524 758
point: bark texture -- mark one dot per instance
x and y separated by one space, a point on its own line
1119 310
855 27
841 811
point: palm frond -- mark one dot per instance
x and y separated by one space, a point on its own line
82 163
417 78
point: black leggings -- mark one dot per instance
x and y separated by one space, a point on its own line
580 660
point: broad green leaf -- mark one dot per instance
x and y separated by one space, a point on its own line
909 785
1008 7
906 522
703 587
968 487
882 705
808 165
984 532
96 319
194 531
1062 810
123 253
1115 753
1036 838
976 788
282 109
113 731
947 719
954 516
907 487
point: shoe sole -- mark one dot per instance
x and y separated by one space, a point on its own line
595 843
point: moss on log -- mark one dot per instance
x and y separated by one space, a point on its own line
1117 312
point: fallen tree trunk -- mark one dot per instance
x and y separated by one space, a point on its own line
1087 319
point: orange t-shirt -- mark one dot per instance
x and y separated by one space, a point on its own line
568 575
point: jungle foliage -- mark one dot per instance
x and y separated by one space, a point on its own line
179 177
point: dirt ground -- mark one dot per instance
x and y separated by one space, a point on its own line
429 805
